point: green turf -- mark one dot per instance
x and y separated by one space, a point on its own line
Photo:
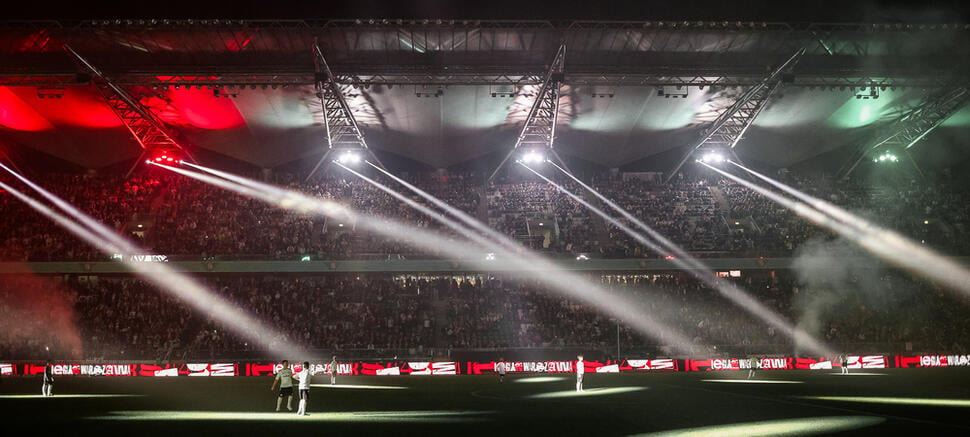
614 404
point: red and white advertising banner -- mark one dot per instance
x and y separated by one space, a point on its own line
611 368
867 361
433 368
63 369
661 364
788 363
190 369
477 368
717 364
933 361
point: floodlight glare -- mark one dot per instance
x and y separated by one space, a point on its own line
533 158
712 158
888 156
349 158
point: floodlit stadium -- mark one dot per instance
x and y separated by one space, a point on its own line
473 226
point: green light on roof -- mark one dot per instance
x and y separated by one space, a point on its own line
865 114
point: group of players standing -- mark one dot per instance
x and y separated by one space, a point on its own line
285 378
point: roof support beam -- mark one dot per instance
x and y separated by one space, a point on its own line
149 132
342 129
539 129
912 126
234 78
731 125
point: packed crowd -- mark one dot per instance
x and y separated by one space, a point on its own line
683 210
180 217
123 318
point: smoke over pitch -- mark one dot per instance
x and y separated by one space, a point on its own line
838 283
36 314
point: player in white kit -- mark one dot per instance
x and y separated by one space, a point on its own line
752 365
500 369
844 364
580 370
333 370
304 378
285 378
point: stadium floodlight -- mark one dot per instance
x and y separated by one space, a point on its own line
489 256
349 157
533 157
712 158
886 157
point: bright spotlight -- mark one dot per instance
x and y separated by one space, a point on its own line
886 157
489 257
533 158
349 158
712 158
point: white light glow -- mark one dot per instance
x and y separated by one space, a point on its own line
533 157
687 262
349 158
70 396
359 387
539 379
883 243
784 427
712 158
929 402
165 278
512 260
590 392
753 381
429 416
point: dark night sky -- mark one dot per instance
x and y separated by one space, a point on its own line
880 11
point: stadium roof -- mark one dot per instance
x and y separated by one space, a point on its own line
445 92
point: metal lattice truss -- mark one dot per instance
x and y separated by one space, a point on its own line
914 125
148 131
343 133
481 52
713 80
731 125
539 129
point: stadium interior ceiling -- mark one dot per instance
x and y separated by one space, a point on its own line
439 93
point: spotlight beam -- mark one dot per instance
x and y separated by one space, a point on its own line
116 240
886 244
568 284
701 272
457 213
506 255
175 283
498 237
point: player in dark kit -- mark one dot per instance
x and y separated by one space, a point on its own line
47 388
